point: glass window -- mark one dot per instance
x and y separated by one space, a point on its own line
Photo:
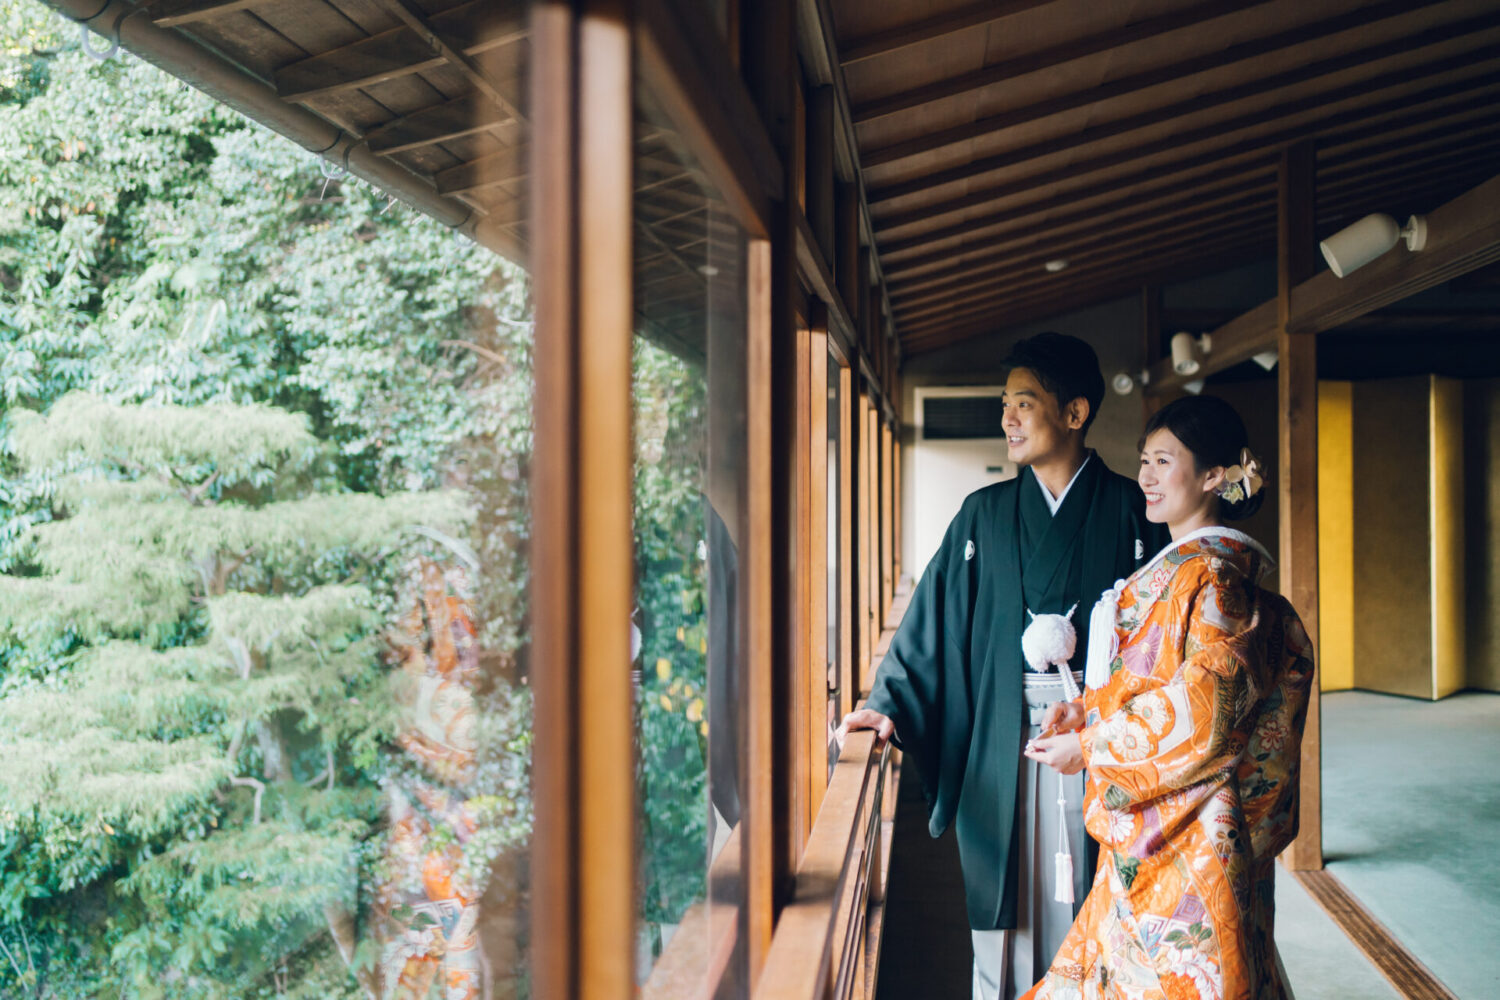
264 511
837 670
690 489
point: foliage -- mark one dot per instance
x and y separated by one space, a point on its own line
220 791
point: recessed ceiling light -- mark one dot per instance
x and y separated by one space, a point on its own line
1053 266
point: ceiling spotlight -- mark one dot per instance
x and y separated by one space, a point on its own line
1184 360
1266 359
1055 265
1355 246
1194 387
1123 382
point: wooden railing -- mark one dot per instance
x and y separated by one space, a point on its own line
826 945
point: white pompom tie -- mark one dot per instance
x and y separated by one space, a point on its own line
1103 641
1049 641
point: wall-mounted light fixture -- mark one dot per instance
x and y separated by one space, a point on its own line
1266 359
1355 246
1186 348
1123 382
1194 387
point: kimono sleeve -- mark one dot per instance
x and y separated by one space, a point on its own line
920 684
1175 735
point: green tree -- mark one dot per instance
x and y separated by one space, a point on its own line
202 776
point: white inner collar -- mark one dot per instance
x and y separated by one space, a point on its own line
1052 504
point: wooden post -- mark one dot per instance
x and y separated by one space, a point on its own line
1297 387
816 678
768 33
582 565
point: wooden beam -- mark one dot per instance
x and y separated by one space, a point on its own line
399 52
1252 147
1463 235
1251 49
1047 58
897 38
1124 262
449 120
1227 95
1297 392
453 48
497 168
1399 138
175 15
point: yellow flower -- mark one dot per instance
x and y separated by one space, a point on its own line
703 728
695 710
681 634
703 645
663 668
666 703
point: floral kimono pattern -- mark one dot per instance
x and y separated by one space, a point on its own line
1193 747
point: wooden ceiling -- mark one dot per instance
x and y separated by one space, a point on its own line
1138 141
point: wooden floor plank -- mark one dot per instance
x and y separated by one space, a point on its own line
1406 973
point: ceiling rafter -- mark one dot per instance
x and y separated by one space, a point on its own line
1251 147
175 15
504 167
1218 98
997 305
1040 59
1334 204
1369 167
452 49
973 16
453 119
391 54
1135 82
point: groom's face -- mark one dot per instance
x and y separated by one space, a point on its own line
1037 427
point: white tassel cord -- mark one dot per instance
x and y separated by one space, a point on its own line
1103 641
1063 859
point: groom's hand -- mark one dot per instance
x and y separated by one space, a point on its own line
866 718
1063 717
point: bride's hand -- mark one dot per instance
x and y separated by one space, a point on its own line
1063 717
1062 753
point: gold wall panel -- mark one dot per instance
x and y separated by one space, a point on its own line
1335 536
1446 507
1392 541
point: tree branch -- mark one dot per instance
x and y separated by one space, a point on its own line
260 789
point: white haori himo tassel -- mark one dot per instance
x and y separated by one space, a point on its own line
1049 641
1103 642
1063 859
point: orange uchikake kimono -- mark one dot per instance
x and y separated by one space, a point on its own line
1193 746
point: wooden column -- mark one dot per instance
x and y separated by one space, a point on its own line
1297 386
583 862
816 679
849 676
768 33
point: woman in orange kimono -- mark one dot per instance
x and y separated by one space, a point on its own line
1191 730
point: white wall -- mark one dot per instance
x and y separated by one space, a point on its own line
941 474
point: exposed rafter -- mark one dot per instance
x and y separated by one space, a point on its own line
1038 59
1227 95
1134 82
450 120
176 13
895 39
400 52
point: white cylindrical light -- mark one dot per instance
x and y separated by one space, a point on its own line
1183 361
1355 246
1266 359
1123 383
1194 387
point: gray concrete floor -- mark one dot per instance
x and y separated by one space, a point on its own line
1411 810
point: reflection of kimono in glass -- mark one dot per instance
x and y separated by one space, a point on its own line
1193 746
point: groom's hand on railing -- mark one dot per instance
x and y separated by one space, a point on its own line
866 718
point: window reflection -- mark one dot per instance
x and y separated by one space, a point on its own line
690 484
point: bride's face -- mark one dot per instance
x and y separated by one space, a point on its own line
1176 493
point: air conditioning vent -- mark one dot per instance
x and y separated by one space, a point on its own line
955 418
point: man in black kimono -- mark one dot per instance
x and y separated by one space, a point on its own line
954 689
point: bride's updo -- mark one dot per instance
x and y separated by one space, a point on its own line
1211 429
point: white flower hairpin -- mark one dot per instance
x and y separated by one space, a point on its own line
1243 480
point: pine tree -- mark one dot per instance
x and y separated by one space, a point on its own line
197 768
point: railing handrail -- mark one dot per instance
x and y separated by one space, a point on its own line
816 940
